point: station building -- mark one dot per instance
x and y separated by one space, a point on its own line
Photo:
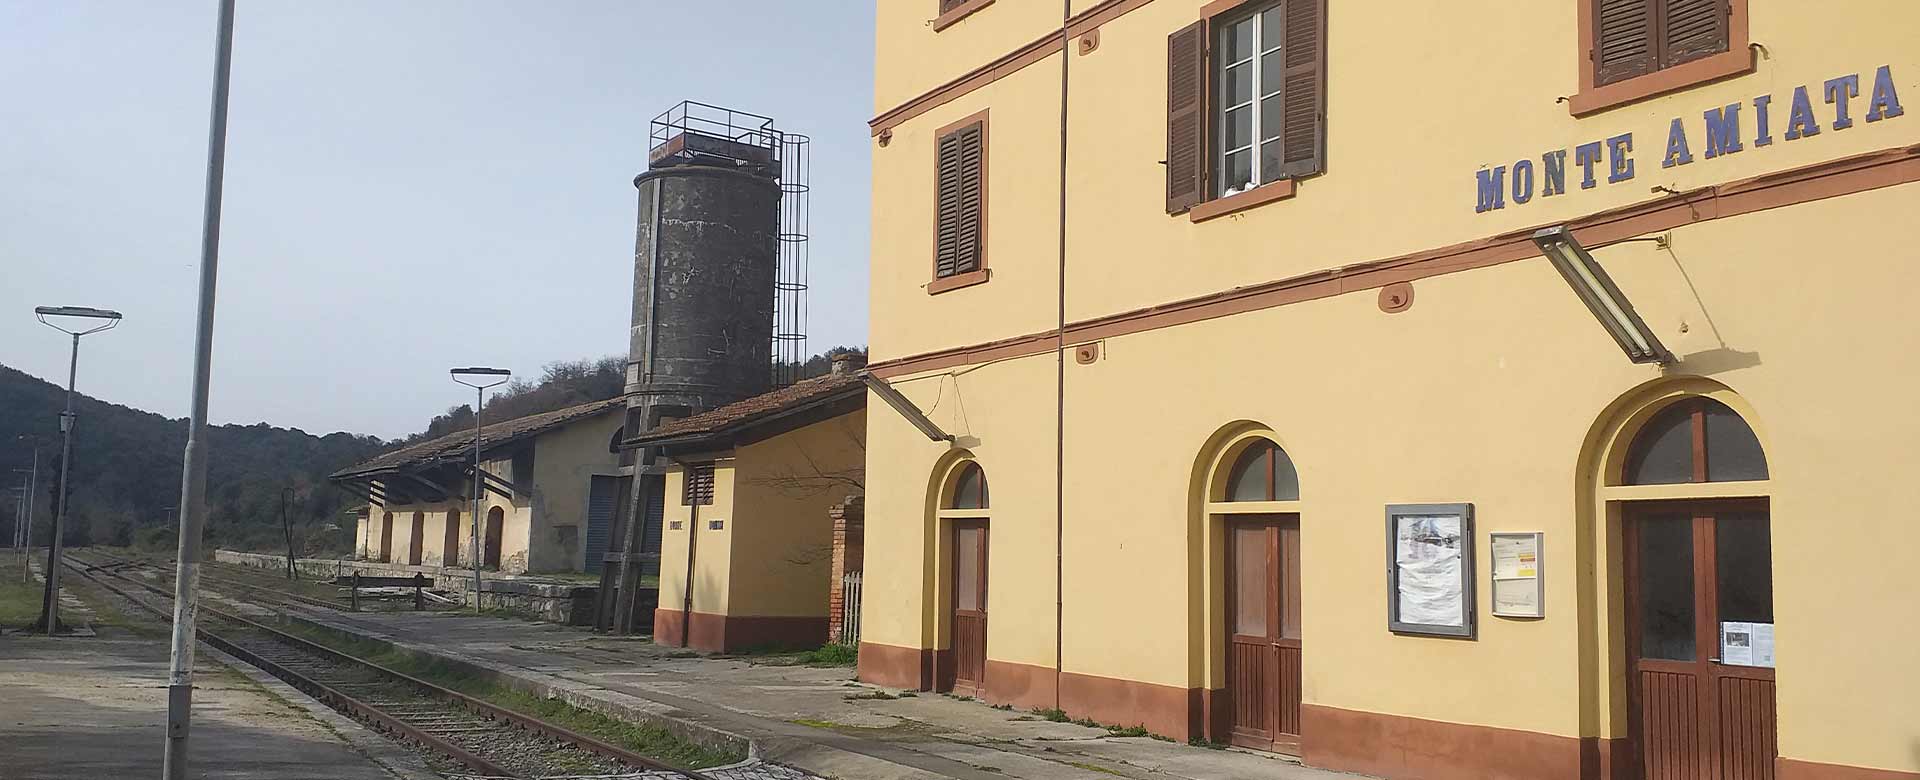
746 545
1481 390
554 486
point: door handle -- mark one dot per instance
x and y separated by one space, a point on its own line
1716 661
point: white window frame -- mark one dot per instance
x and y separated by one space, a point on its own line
1258 96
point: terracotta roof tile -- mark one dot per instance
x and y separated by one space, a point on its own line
741 414
455 445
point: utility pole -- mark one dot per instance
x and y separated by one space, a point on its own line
288 526
193 477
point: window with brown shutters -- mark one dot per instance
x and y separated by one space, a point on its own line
1637 37
1633 49
697 486
1246 104
960 204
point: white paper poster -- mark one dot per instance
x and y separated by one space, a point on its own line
1516 575
1763 645
1427 555
1736 644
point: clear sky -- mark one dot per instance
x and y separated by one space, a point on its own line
410 185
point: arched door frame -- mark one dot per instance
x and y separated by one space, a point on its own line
939 533
1599 522
1207 551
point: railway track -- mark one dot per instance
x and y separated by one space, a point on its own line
469 737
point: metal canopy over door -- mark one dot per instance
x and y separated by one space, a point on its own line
969 606
1692 567
1263 632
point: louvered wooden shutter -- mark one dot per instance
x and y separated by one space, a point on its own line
948 5
1623 44
1691 29
1186 117
697 486
1304 123
961 201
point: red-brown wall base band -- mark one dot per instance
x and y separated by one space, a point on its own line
1370 743
731 633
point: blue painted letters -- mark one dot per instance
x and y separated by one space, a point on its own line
1885 103
1585 155
1762 137
1523 181
1723 130
1553 172
1493 190
1800 122
1619 149
1839 91
1677 151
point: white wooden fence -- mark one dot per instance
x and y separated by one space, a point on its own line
850 609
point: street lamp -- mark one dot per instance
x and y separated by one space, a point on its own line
479 378
98 320
1597 290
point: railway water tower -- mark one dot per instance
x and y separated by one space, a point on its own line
719 283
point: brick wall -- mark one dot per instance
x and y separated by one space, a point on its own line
849 554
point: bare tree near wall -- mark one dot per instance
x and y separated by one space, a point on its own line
809 479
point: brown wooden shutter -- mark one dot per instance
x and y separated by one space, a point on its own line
697 486
1623 42
1304 123
1691 29
1187 117
960 219
948 5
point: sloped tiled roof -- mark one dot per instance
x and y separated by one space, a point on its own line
459 445
745 414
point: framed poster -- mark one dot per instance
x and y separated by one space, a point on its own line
1430 569
1517 586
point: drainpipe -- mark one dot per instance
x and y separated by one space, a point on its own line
686 586
1060 380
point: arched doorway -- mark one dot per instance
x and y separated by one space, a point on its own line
450 545
1698 586
1253 501
386 538
417 543
963 513
496 524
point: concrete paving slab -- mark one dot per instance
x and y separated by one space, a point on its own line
96 708
817 719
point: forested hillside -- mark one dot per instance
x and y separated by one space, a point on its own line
126 474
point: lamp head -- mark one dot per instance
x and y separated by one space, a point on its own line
107 318
1602 297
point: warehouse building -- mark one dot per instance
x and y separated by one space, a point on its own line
1476 391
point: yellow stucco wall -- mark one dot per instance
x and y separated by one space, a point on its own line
772 556
1496 388
564 464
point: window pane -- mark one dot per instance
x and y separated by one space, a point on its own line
1662 454
1270 118
1286 483
1270 163
1250 580
970 488
1272 29
966 569
1236 85
1236 42
1271 65
1239 173
1733 452
1248 479
1665 589
1239 128
1743 547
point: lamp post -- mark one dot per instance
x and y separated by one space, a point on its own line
288 527
102 320
472 376
1603 298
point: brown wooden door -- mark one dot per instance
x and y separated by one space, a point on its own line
418 545
451 542
496 520
386 538
969 606
1263 633
1692 568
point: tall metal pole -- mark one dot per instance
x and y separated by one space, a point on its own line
33 486
479 399
288 527
193 477
50 605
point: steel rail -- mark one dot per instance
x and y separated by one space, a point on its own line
482 707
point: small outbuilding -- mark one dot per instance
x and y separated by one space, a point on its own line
747 544
553 485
